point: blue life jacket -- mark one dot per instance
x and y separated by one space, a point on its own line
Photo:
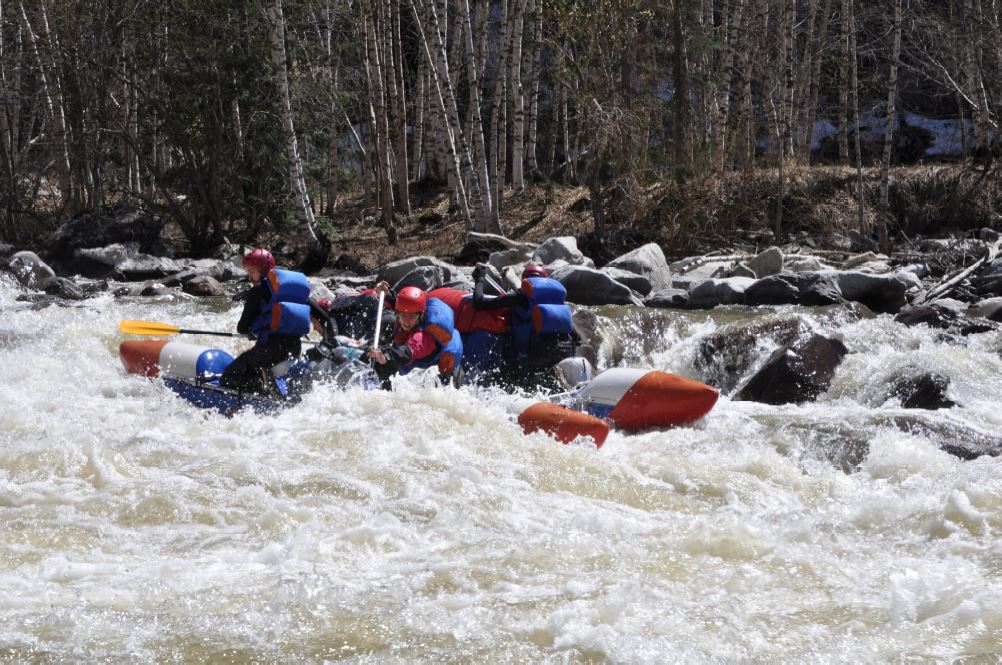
546 313
287 312
439 322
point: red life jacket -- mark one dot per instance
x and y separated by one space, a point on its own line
469 318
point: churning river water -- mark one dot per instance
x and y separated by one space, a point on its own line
422 525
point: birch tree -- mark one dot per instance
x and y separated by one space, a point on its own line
885 171
297 183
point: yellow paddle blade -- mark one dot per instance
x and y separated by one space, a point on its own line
147 328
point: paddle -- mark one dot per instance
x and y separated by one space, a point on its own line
157 328
379 320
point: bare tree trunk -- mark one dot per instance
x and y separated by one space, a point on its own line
680 100
297 180
973 60
536 48
498 131
854 53
333 155
517 98
842 116
787 46
397 101
476 124
461 163
723 97
374 67
885 171
417 133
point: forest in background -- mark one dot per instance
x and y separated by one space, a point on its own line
233 120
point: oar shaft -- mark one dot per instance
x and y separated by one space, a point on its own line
379 320
497 287
209 332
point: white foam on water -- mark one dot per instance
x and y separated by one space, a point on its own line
421 524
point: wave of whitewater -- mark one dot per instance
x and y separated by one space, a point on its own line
422 525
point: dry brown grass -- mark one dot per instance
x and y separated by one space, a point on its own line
736 210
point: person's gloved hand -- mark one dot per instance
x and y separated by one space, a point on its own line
479 272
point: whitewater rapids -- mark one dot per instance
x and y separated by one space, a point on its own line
422 525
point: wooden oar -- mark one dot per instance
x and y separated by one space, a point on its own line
157 328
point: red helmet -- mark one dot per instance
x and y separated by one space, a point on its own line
534 271
261 259
411 300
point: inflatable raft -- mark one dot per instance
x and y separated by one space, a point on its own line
632 400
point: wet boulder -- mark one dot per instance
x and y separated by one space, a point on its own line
587 286
943 317
649 261
725 356
66 289
921 390
587 326
810 289
990 309
794 373
955 438
31 271
203 286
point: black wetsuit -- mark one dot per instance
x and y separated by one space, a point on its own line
246 370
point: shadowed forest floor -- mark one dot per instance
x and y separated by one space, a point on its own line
738 211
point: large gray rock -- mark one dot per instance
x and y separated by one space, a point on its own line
803 264
561 248
31 271
393 272
881 293
424 277
638 283
647 260
769 262
509 257
667 298
710 293
587 286
203 286
809 289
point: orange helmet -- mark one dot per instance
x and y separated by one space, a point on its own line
534 271
411 300
260 259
